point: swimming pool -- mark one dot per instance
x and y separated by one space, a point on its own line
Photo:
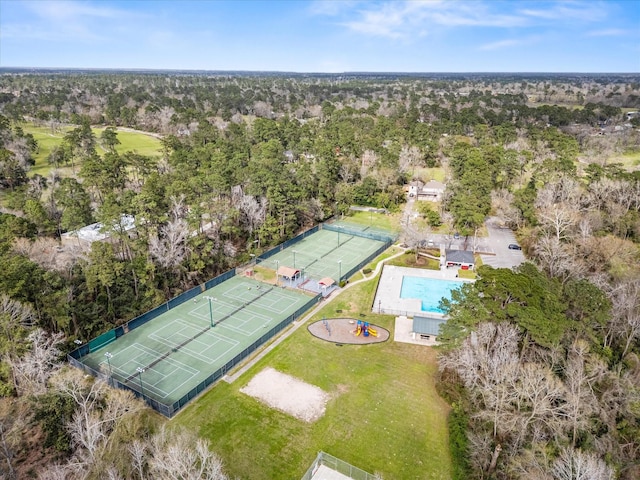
429 290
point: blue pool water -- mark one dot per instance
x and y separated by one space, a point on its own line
429 290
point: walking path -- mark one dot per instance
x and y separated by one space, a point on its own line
298 323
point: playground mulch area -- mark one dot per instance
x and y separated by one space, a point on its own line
342 330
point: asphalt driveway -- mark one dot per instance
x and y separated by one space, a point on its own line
499 240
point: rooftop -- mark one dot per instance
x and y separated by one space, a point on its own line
95 232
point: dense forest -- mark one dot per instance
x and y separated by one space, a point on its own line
541 363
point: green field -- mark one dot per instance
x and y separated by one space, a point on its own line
129 141
390 222
384 416
630 160
433 173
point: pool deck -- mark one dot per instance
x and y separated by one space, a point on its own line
388 294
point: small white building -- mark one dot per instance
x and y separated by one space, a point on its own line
96 232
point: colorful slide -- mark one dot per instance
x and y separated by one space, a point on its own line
365 329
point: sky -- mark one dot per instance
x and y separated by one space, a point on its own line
324 35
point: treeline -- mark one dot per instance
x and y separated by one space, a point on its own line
168 103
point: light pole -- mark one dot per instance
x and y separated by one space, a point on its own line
211 310
109 357
340 271
140 371
338 237
294 258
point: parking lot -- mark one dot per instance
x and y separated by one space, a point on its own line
494 249
499 239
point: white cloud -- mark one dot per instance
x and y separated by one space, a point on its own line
500 44
61 20
564 11
408 18
404 19
64 10
511 42
610 32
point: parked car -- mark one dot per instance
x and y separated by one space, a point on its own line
456 236
514 246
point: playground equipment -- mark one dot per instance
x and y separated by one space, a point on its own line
365 329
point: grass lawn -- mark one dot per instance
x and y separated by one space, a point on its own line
630 160
133 142
389 222
433 173
409 260
384 416
129 141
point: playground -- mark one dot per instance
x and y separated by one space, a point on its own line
348 331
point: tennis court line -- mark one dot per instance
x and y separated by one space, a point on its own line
187 372
200 354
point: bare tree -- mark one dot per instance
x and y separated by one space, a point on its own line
368 161
556 258
582 372
502 202
98 411
488 365
139 452
576 465
183 455
539 396
625 320
559 219
408 158
254 211
57 471
8 442
16 314
32 371
170 247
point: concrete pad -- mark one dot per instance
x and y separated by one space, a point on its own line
325 473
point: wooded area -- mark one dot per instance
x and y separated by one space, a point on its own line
541 364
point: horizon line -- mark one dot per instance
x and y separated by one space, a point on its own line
354 72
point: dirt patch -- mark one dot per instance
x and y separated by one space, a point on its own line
288 394
343 330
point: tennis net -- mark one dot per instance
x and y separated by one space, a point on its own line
169 352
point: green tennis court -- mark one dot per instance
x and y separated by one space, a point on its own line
326 253
168 356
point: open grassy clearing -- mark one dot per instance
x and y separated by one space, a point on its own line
629 160
384 416
434 173
379 220
47 139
